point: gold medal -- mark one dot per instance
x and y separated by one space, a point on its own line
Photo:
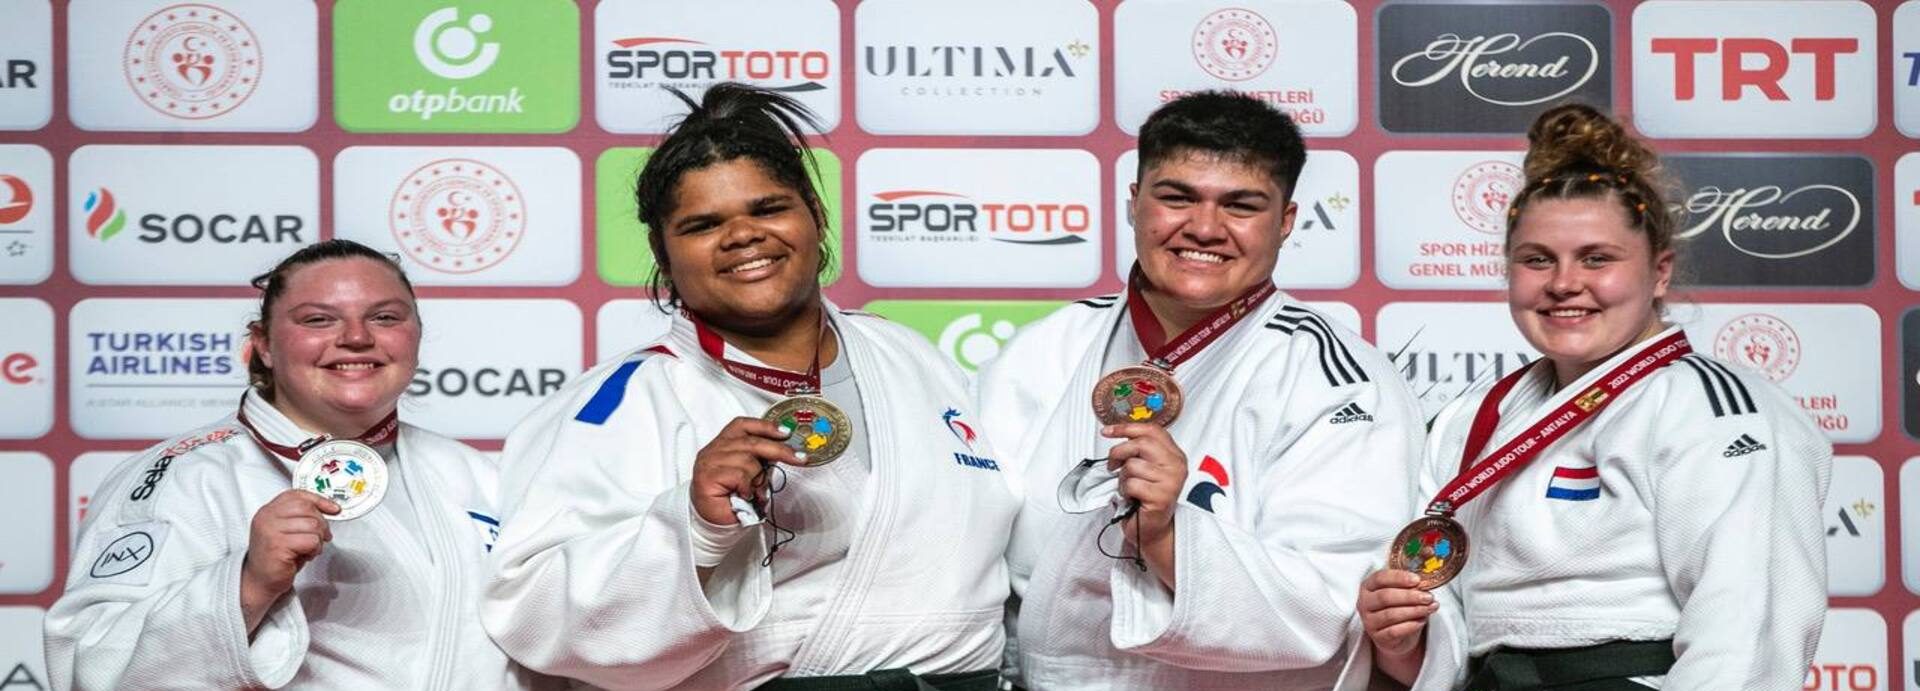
1433 547
1137 393
818 429
350 473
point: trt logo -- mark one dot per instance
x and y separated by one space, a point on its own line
1757 63
1754 69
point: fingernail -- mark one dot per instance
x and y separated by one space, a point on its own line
800 456
1427 598
1107 429
786 431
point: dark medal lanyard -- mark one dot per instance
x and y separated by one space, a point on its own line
775 381
1166 354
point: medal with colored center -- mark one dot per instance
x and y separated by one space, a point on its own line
1147 392
1138 393
350 473
1434 547
817 428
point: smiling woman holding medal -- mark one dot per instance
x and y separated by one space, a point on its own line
777 493
311 539
1211 464
1623 513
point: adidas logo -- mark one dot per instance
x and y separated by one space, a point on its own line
1742 446
1351 413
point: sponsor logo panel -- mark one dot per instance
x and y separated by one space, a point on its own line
26 546
26 368
1827 357
148 368
456 66
1910 527
622 255
644 47
971 333
1444 347
26 64
1910 371
1856 528
1906 218
1442 217
26 213
1470 67
22 649
188 215
204 65
84 477
1906 81
1020 67
1301 57
1754 69
474 380
1852 655
1324 249
622 325
1026 218
1775 220
465 216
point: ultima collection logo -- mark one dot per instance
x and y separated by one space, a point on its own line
467 66
983 67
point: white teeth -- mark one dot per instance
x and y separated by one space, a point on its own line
1570 313
1198 256
354 366
749 266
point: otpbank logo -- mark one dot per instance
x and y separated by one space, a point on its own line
188 215
214 65
467 66
644 47
971 333
621 239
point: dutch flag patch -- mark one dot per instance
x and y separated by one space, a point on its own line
1575 484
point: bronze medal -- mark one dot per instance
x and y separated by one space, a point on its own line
1137 393
1433 547
818 428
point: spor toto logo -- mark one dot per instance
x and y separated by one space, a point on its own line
662 57
1482 193
1502 58
453 50
1759 342
19 199
1769 211
458 215
1234 44
192 61
937 216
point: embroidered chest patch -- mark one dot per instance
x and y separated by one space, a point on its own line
1574 484
1204 491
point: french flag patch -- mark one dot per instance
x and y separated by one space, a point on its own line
1575 484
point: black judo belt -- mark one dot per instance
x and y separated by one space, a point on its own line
890 680
1603 667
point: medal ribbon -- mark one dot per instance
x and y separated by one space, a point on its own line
1168 354
1523 449
775 381
380 433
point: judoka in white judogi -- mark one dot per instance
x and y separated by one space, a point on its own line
1300 440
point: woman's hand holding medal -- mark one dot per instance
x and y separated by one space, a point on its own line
734 465
285 534
1152 470
1394 612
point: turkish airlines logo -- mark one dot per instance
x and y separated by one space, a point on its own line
939 216
192 61
1757 64
1803 220
18 202
1759 342
458 215
1546 62
1234 44
451 49
17 368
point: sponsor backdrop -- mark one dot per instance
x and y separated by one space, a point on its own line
155 154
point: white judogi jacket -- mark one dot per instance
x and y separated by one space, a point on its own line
596 573
153 591
1301 441
1703 526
